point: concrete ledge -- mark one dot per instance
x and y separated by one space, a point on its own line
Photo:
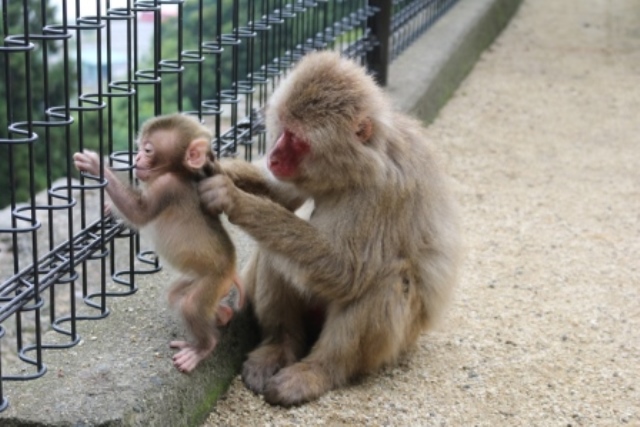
425 76
121 375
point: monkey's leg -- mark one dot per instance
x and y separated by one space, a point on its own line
354 340
198 308
178 289
241 291
279 310
225 311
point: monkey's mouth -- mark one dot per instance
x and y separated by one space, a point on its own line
141 173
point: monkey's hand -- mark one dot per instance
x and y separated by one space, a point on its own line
217 194
88 162
246 176
255 178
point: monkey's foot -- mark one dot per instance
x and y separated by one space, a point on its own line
263 363
297 384
189 355
223 315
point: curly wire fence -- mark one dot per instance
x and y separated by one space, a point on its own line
78 76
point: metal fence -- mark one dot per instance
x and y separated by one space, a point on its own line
77 75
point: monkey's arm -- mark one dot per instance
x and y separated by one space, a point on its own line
326 268
256 179
136 206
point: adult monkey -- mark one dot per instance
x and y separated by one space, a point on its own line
378 256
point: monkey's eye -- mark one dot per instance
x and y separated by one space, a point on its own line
147 148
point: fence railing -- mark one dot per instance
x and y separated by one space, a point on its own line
76 75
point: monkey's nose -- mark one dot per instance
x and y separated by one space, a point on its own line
271 162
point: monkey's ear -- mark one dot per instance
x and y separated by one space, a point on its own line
365 130
196 155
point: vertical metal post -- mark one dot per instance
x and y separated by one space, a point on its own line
380 26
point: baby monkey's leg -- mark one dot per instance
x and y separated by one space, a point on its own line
199 310
225 310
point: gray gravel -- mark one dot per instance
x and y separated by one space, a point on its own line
542 140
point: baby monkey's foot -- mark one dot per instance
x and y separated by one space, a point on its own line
224 314
189 356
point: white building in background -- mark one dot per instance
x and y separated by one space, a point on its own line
114 51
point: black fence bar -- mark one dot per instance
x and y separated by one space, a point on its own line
410 19
80 75
380 25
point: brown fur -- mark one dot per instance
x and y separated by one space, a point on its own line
379 253
174 153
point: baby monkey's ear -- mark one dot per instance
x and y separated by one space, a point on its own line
197 154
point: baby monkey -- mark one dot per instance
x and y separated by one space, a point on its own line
174 153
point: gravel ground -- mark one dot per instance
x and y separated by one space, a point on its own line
543 142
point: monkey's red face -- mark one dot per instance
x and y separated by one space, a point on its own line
287 155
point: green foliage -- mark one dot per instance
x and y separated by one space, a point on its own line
26 92
195 86
179 91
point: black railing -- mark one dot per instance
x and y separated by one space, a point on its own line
76 75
